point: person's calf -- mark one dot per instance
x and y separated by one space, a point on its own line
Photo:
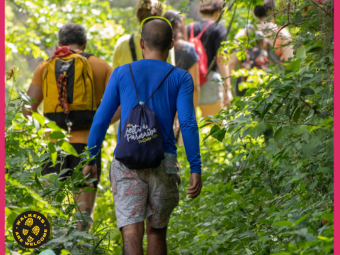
156 240
87 199
133 239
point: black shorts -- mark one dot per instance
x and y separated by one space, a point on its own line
71 162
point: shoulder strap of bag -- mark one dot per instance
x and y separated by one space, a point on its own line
192 30
205 28
133 80
85 54
132 48
160 84
134 84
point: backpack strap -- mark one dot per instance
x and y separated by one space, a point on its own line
160 84
85 54
205 28
192 30
134 84
133 80
132 48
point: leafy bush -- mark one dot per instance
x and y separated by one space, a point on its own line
272 188
26 189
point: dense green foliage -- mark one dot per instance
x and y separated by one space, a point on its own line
267 167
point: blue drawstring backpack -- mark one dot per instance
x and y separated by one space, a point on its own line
141 142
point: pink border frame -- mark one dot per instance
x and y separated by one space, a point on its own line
336 126
2 126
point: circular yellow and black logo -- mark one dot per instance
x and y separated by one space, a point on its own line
31 229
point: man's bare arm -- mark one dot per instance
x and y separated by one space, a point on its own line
194 71
35 92
287 51
224 71
233 62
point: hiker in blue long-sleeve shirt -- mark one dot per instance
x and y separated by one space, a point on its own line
148 85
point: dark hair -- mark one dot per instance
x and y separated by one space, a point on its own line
147 8
210 6
179 31
261 11
157 35
72 34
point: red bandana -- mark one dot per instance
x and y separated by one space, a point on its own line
62 52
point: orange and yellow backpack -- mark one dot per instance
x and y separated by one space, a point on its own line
68 90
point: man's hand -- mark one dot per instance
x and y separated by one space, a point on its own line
92 170
226 99
228 96
35 92
195 185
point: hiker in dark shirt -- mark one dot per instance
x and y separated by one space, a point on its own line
213 95
185 54
185 58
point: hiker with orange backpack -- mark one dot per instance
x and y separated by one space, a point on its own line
207 37
71 85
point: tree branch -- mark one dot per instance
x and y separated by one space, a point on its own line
319 6
303 101
277 33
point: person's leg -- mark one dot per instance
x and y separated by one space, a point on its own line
88 198
156 240
130 195
211 109
162 199
133 239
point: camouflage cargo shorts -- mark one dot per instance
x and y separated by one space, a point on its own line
147 194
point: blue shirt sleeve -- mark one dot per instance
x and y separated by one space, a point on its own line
188 123
104 114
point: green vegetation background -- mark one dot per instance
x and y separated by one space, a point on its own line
267 165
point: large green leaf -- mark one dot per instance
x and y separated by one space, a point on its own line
240 119
301 53
302 219
307 91
53 152
297 114
279 134
67 147
53 126
57 135
293 66
258 130
39 118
